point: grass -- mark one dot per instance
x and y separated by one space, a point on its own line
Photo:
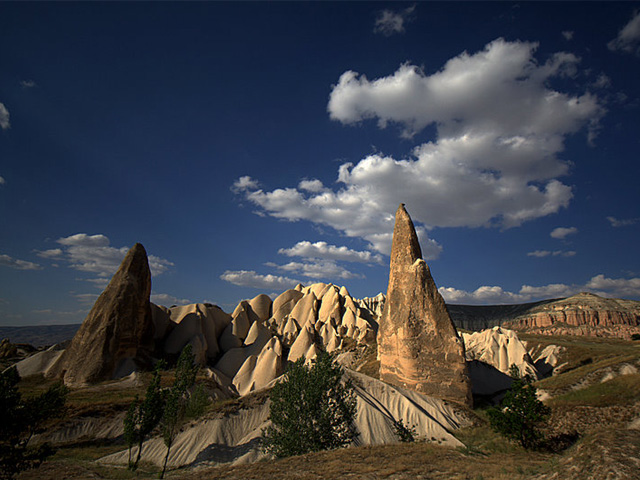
621 390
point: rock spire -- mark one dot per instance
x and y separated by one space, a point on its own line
117 335
418 345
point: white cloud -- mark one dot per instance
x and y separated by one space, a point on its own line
321 269
2 181
93 254
603 81
555 253
84 240
568 34
615 222
323 250
7 261
313 186
599 284
51 253
500 129
389 22
166 299
249 278
4 117
27 83
620 287
482 295
628 38
562 232
86 298
244 183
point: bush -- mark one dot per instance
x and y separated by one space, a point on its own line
21 419
177 403
405 433
311 410
143 416
520 412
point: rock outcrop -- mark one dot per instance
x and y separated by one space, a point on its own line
117 335
582 314
418 345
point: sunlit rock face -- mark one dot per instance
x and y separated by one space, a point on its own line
117 335
418 345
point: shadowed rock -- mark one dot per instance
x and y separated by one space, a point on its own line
418 345
117 335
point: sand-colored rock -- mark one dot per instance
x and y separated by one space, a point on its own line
305 341
418 345
258 372
500 348
118 330
205 321
235 438
39 363
261 306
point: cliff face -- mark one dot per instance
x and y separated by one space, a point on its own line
582 314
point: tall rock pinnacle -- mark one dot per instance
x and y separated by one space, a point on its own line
117 335
418 345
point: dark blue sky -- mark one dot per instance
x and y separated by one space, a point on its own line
232 141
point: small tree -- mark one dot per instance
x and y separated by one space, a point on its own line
143 417
21 419
176 401
520 411
311 410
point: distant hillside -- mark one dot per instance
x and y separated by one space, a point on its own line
39 335
582 314
479 317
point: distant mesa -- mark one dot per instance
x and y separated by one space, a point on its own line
418 345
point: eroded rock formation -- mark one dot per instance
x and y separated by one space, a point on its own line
418 345
117 335
582 314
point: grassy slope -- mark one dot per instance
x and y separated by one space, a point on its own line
599 412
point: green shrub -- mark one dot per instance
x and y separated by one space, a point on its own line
311 410
520 412
405 433
21 419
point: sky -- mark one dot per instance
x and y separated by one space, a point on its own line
254 146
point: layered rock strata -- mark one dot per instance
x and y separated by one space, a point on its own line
418 345
582 314
117 335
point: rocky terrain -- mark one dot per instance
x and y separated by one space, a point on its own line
402 352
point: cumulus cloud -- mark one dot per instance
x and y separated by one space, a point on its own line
249 278
628 39
615 222
8 261
599 284
4 117
563 232
166 299
495 160
51 253
555 253
2 181
313 186
322 250
93 254
568 34
244 183
27 83
389 22
318 270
